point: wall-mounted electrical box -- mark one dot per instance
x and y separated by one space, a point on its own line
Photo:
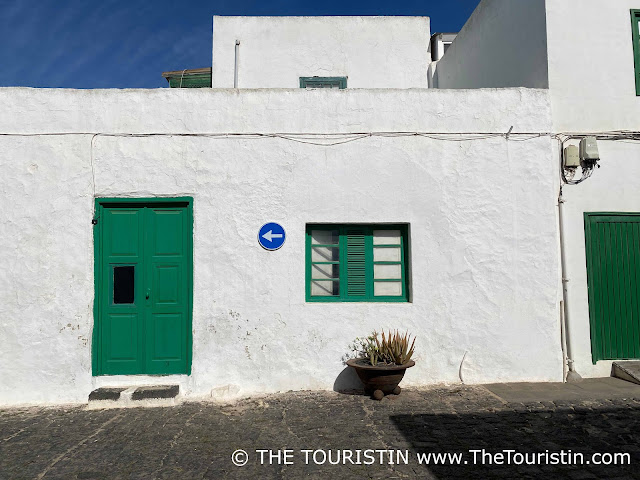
589 150
571 157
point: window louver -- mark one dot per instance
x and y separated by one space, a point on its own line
356 263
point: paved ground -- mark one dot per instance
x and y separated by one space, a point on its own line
196 440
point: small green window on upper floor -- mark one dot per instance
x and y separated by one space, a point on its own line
194 78
357 263
323 82
635 34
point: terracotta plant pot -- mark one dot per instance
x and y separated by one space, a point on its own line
380 380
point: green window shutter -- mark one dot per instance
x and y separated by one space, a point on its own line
356 263
635 35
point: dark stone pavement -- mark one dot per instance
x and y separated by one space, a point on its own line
197 440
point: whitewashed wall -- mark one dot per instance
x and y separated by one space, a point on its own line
592 89
503 44
373 52
482 215
591 75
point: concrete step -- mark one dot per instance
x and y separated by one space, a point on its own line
156 391
628 370
106 393
127 396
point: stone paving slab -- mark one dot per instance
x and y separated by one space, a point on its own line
197 440
605 388
628 370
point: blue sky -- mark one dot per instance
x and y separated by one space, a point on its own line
128 44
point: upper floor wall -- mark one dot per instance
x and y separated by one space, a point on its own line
503 44
582 51
591 65
274 52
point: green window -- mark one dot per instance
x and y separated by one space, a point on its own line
635 32
356 263
323 82
194 78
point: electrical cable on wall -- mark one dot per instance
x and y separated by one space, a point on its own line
313 138
616 135
328 139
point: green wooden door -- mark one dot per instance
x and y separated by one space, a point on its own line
613 272
143 287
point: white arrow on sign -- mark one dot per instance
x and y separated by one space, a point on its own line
270 235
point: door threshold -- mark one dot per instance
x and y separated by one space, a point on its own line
135 396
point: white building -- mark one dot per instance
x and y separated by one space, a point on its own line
593 86
128 236
276 52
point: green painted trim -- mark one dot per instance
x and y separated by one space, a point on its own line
635 35
404 239
369 263
97 248
190 284
337 299
143 201
306 82
590 279
613 215
307 264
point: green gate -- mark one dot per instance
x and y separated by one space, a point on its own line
143 286
613 274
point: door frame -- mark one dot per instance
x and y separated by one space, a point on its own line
100 203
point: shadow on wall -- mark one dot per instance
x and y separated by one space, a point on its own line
348 383
531 432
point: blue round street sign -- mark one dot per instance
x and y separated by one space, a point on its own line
271 236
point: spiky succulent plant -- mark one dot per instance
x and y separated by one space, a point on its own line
393 348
